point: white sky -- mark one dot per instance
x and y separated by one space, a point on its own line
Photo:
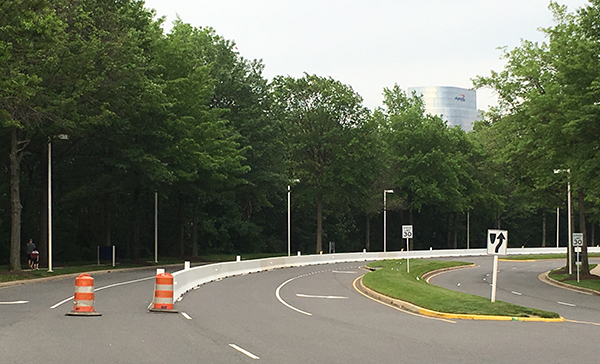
372 44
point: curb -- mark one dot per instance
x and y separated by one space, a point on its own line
428 275
407 306
544 277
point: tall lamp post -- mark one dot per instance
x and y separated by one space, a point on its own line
289 222
570 218
385 192
156 227
64 137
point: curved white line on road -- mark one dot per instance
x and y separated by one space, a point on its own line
317 296
14 303
287 304
101 288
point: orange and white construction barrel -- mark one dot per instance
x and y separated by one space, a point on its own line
163 294
84 297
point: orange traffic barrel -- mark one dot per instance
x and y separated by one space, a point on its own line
163 294
84 297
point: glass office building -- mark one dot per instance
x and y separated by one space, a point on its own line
458 106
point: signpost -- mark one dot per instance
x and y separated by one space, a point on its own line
407 233
497 241
577 244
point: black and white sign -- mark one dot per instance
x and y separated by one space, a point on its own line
407 232
497 241
577 239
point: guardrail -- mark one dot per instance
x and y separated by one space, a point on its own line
189 278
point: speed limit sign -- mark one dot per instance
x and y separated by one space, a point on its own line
577 239
407 231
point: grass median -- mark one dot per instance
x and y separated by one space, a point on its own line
590 282
393 281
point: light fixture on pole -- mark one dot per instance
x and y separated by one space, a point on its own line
64 137
569 219
385 192
289 222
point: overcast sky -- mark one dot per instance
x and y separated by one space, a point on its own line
372 44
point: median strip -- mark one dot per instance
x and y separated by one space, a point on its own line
393 285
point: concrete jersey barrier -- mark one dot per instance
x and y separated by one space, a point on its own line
187 279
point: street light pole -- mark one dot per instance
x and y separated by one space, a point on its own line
570 218
385 192
289 221
64 137
557 226
570 227
49 205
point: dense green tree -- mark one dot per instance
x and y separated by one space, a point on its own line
31 42
548 107
431 163
323 119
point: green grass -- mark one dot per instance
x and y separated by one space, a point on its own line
544 256
83 266
585 283
392 280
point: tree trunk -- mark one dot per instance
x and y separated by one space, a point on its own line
181 227
107 220
196 221
15 201
449 231
319 223
455 229
368 233
544 229
136 224
585 265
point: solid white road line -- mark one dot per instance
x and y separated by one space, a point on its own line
566 304
313 296
101 288
517 293
343 272
186 315
13 303
123 283
244 351
61 302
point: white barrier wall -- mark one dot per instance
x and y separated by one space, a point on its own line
187 279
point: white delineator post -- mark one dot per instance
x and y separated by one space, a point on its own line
494 278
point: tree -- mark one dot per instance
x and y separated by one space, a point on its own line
430 162
322 117
548 105
30 45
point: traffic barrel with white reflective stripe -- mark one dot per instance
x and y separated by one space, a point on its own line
163 294
84 297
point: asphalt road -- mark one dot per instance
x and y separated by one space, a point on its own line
297 315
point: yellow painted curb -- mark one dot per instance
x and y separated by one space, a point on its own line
444 315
